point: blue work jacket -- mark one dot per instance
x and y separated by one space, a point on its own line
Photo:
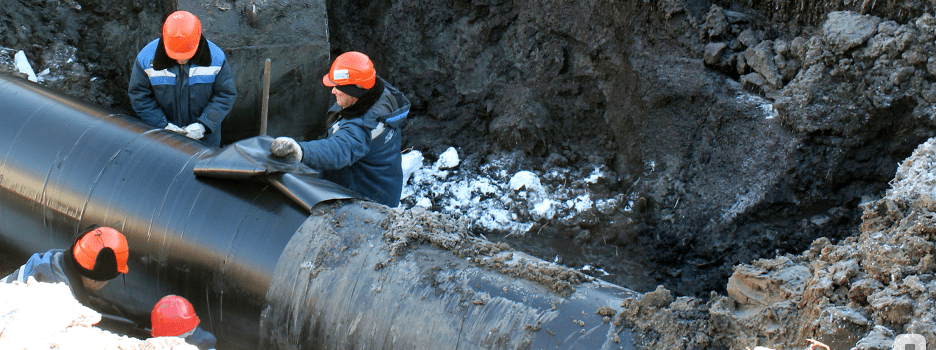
362 152
53 266
162 91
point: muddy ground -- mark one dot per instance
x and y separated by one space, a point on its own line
754 140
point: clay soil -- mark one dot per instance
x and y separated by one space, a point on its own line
757 142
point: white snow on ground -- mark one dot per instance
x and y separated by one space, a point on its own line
22 64
765 106
495 200
7 60
448 159
56 66
46 316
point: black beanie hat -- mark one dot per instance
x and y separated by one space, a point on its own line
105 266
352 90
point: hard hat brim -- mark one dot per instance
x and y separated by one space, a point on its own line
328 82
181 55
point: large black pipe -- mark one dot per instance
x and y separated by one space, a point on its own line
65 165
261 271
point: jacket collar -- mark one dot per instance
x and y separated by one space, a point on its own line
364 103
202 56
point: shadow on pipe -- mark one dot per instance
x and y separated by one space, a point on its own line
259 269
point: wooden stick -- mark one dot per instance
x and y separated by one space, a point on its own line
265 101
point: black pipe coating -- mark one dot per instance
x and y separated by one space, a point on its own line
260 271
65 165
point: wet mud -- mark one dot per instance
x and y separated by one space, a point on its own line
406 229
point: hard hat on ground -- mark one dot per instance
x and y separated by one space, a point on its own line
101 253
173 316
351 68
181 34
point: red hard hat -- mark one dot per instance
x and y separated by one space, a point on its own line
173 316
351 68
181 34
90 244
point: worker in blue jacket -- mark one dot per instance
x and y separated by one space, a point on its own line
182 82
361 150
98 255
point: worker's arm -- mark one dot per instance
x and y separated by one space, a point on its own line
143 99
41 267
342 148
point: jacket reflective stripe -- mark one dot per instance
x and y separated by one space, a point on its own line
197 71
152 73
377 131
203 75
160 77
397 117
197 75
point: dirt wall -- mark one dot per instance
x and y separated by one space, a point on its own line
724 164
860 293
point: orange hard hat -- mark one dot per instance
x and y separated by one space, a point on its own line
181 34
173 316
102 252
351 68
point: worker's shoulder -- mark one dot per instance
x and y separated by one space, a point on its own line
384 106
216 51
149 50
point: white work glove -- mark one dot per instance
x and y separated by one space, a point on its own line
286 146
176 128
195 131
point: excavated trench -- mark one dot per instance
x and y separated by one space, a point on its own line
713 179
735 131
717 175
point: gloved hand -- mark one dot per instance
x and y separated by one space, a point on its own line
286 146
195 131
173 127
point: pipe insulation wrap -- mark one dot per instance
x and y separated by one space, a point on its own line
344 280
66 164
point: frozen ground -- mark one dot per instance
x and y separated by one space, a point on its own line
500 196
866 292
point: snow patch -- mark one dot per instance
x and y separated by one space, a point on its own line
765 106
36 315
411 161
448 159
494 199
525 180
22 64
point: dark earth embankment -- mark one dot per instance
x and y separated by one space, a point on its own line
668 95
738 130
